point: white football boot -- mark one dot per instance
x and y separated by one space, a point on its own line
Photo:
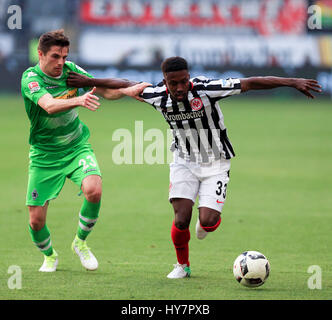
179 271
50 263
200 232
88 260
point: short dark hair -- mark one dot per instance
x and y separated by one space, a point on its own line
174 64
52 38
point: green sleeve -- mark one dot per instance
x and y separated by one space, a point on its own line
32 88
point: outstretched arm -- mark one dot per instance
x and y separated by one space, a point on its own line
111 88
78 80
302 85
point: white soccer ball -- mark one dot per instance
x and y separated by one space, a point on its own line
251 268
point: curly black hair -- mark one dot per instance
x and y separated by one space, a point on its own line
174 64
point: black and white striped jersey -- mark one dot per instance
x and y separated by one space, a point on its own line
197 124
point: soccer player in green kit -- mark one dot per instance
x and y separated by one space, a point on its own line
59 145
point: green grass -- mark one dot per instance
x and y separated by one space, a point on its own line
279 202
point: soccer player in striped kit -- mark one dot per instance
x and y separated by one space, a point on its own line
202 150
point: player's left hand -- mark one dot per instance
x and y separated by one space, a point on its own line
307 85
135 91
77 80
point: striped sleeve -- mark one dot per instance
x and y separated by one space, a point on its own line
218 88
154 94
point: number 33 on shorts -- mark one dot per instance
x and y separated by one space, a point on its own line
221 190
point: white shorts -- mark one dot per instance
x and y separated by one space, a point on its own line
207 181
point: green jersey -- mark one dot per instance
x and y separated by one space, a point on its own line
52 134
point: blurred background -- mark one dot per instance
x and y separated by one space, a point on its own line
219 38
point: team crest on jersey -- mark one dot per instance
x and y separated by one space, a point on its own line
196 104
34 86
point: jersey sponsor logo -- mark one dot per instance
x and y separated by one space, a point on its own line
34 86
68 94
183 115
196 104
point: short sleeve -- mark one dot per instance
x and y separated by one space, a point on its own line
32 88
154 94
218 88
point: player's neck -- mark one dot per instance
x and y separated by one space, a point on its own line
47 74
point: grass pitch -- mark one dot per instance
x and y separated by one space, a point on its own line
279 202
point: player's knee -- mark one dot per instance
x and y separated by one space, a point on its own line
182 210
92 188
209 220
182 224
37 216
36 223
182 219
93 194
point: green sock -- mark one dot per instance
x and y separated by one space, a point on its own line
42 239
88 218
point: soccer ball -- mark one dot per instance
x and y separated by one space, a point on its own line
251 268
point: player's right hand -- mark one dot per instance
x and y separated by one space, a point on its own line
135 91
90 101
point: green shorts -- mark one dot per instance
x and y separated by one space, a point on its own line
48 172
